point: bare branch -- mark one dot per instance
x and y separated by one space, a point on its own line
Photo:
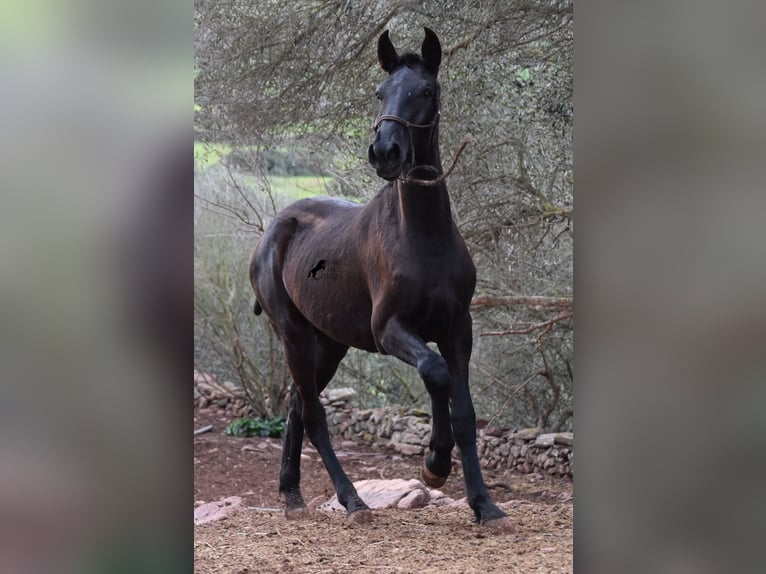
545 326
534 302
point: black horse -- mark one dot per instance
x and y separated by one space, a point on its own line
406 278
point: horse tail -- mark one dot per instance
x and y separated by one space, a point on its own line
257 309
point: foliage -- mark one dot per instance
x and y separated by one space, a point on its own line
299 77
249 427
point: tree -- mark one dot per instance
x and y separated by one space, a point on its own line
299 77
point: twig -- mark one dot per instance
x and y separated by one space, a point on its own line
203 430
545 326
510 396
488 301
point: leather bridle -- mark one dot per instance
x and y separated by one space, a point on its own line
410 126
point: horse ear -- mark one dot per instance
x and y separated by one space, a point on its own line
387 56
431 51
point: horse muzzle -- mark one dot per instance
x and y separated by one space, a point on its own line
387 159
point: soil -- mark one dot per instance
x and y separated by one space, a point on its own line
259 539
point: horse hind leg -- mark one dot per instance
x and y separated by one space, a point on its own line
290 471
313 359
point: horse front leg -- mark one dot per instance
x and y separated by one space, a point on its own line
457 352
400 342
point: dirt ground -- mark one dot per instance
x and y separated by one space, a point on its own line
259 539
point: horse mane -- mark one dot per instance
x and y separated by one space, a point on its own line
410 60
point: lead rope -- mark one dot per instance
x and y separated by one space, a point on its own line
467 138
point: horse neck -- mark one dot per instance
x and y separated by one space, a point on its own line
425 209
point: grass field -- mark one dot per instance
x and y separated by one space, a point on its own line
294 187
299 186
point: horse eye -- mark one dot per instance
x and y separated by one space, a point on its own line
379 95
428 92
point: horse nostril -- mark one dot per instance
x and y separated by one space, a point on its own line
371 155
393 154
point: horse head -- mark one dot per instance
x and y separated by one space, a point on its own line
406 128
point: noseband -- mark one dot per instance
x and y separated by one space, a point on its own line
410 126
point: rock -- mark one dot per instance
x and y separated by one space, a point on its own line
566 438
378 493
408 449
337 395
442 501
217 510
546 439
415 499
493 431
233 389
411 438
204 403
527 434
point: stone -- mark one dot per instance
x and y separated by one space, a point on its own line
493 431
442 501
408 449
378 493
411 438
415 499
336 395
547 439
527 434
218 510
566 438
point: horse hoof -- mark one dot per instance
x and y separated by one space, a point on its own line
296 513
430 479
360 517
502 524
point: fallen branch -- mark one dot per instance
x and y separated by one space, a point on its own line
203 430
488 301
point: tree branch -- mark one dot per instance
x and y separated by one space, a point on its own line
535 302
545 326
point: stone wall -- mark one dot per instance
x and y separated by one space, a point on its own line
408 432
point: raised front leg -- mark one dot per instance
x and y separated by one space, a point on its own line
400 342
457 352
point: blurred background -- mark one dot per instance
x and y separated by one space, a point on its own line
95 285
